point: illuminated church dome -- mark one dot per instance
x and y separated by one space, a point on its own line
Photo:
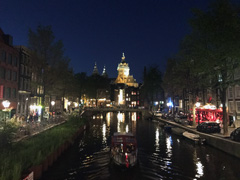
123 74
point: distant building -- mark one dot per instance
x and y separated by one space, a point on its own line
24 81
95 70
123 74
8 73
125 89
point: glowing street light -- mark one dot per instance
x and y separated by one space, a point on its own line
53 103
197 104
6 105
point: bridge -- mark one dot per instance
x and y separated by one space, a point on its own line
88 111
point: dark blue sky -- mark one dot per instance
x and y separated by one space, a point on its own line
147 31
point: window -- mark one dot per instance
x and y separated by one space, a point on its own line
2 73
9 74
22 69
238 106
21 83
237 89
133 93
230 92
9 58
231 108
14 93
237 74
14 78
4 92
219 78
8 93
15 61
3 56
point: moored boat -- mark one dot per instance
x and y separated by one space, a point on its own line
124 149
177 131
195 138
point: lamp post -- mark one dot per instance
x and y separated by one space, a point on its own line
6 105
52 103
197 106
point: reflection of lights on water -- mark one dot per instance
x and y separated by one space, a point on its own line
121 117
157 139
169 152
108 116
207 157
104 133
127 128
169 146
118 126
199 169
134 116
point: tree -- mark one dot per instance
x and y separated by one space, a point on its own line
80 84
215 42
152 85
47 54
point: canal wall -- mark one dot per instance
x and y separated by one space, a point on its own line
38 170
221 143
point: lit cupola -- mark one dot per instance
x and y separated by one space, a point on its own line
123 74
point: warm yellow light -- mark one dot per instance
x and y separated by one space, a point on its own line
198 104
52 103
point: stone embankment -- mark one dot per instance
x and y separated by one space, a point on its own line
217 140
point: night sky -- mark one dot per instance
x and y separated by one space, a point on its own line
147 31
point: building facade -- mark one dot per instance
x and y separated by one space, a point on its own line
9 58
125 89
24 81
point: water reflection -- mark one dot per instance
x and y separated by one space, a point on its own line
169 146
104 134
108 118
198 164
199 169
134 116
127 128
161 155
157 140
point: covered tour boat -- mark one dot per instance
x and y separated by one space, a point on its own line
124 149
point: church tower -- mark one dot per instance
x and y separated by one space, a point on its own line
123 74
95 70
104 73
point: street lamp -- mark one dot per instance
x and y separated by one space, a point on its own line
6 105
52 103
198 105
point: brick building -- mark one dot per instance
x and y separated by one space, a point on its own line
9 58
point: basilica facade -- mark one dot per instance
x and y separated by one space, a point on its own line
125 89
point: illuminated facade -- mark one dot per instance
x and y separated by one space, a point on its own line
125 88
123 74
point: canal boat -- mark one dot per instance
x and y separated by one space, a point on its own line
124 149
177 131
195 138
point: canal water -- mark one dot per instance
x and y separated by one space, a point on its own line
161 155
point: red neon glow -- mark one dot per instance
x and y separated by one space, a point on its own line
126 160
